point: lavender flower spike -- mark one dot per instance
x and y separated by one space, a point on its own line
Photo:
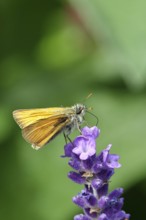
94 172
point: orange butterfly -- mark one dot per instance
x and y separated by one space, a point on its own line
39 126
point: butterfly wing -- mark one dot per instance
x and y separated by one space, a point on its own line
39 126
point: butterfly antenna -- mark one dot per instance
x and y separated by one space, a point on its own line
94 117
87 97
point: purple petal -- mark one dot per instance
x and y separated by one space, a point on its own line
121 215
102 191
85 147
103 217
79 200
106 153
112 161
75 163
105 174
92 201
85 199
93 131
102 202
84 156
68 149
81 217
97 183
108 160
116 193
97 166
113 206
76 177
93 214
87 164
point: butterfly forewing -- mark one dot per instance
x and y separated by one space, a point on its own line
26 117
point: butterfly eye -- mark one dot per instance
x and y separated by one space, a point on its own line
79 110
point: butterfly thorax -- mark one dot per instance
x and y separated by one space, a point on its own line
76 119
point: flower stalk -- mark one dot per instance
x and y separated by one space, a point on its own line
94 172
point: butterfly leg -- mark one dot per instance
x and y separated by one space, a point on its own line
66 137
69 139
79 128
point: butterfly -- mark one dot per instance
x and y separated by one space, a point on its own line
41 125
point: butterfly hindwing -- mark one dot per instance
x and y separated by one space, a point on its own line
44 130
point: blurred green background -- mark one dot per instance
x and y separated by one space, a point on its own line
54 53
